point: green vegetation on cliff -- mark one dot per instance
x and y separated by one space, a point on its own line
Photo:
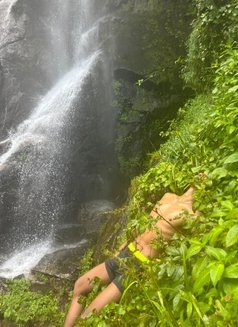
195 281
25 307
152 45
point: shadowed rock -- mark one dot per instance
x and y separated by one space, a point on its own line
62 263
74 240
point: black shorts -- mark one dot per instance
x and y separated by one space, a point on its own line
116 269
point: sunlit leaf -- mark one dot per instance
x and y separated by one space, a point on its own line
200 282
216 253
232 158
220 172
216 272
230 286
193 250
232 214
227 204
232 236
214 234
233 89
231 271
189 309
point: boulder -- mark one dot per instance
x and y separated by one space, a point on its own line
93 215
72 240
3 286
62 264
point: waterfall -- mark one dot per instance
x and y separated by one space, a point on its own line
55 156
45 122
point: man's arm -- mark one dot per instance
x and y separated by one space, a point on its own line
122 247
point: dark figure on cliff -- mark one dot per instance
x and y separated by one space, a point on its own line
170 213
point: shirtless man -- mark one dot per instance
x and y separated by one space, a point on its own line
171 210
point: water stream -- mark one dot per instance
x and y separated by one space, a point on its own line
49 152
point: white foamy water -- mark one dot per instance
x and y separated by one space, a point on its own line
21 262
87 39
48 117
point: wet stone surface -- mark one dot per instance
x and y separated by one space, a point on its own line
62 264
73 240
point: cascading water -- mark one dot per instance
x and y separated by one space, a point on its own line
55 155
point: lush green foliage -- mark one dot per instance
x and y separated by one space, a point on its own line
215 26
138 127
24 307
195 281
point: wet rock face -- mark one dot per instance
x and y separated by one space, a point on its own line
93 215
18 86
62 264
3 286
28 66
8 176
115 4
90 217
76 239
151 35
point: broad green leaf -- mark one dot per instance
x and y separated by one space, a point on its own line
189 309
171 269
232 158
200 274
121 311
231 271
214 234
193 250
214 91
216 253
220 172
227 204
199 267
230 286
201 281
216 272
218 213
233 89
176 300
178 273
232 236
232 214
101 324
104 324
230 129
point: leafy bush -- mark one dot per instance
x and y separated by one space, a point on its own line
195 280
215 26
24 307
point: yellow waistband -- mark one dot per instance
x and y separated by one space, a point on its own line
137 253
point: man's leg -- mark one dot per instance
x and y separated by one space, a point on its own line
82 287
110 294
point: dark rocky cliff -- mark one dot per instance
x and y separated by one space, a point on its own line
150 46
22 49
149 36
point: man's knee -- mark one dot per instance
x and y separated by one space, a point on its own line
82 286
